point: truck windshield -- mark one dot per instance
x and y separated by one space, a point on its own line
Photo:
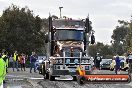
67 35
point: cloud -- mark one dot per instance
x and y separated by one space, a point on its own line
104 14
103 35
122 4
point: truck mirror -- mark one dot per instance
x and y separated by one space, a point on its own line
92 39
87 25
46 38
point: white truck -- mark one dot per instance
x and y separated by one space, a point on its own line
67 44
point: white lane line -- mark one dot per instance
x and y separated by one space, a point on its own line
35 78
14 87
64 78
23 77
57 78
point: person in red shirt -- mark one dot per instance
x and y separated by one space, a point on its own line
22 61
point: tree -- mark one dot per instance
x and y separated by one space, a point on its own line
119 37
104 50
20 30
129 38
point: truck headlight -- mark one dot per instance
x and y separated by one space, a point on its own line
83 61
56 61
60 60
86 61
67 61
76 61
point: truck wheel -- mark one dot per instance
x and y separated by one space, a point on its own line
81 80
40 71
43 70
126 68
74 78
46 76
51 78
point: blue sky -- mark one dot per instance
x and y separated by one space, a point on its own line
104 14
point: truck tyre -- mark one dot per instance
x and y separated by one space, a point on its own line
74 78
126 68
40 70
43 69
46 76
81 80
51 78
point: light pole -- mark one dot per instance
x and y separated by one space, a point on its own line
60 11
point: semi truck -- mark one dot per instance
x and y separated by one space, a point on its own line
67 42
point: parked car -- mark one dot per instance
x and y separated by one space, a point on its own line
105 64
39 61
124 65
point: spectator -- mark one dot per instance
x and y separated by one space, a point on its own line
97 61
129 60
33 59
6 59
15 61
112 65
11 61
118 64
2 71
22 61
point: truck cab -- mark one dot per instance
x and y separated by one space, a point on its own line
66 46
